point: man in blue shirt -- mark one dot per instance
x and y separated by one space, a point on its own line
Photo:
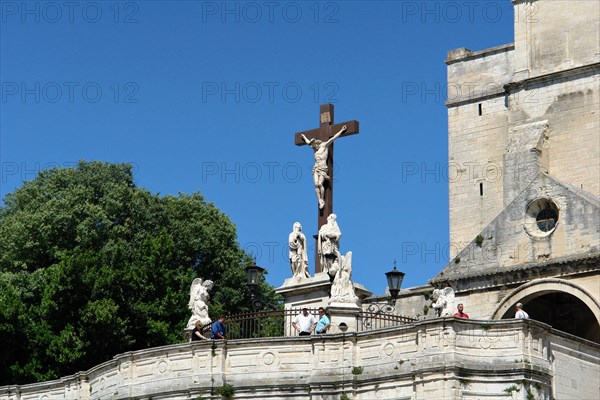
323 324
218 329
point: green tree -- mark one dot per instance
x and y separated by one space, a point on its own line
92 266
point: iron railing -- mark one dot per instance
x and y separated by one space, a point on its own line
278 323
264 323
380 316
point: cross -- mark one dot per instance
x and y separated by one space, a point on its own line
325 132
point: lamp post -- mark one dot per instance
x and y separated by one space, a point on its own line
375 310
253 275
394 278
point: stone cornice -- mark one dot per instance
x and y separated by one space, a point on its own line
565 73
489 95
521 273
513 86
463 54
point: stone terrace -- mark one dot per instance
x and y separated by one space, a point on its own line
435 359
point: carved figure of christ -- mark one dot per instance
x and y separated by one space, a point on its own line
321 141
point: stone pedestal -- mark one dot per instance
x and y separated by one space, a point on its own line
315 292
310 292
343 313
306 292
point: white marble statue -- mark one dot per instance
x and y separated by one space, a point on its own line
342 289
198 298
298 257
328 244
444 301
320 172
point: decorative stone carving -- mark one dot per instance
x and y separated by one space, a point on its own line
342 289
338 267
387 350
328 245
320 171
269 358
444 302
526 155
198 298
298 256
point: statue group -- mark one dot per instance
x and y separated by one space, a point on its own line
336 265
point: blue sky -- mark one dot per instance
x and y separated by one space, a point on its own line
206 96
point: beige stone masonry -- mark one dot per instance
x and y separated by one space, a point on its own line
436 359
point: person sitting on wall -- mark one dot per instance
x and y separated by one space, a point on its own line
218 329
304 323
520 312
197 332
460 313
323 324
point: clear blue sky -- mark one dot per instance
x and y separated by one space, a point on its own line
205 96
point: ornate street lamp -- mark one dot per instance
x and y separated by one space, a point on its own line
394 278
253 274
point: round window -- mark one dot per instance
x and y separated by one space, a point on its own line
542 217
546 219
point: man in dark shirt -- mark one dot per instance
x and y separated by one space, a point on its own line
218 329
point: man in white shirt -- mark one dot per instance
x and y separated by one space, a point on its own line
520 313
303 323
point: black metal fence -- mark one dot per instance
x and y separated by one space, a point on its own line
278 323
264 323
380 316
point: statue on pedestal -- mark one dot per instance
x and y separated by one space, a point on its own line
342 289
298 257
328 244
337 266
444 301
198 298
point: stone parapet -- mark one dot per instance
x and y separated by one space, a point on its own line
441 358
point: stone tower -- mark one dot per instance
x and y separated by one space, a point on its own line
524 157
521 109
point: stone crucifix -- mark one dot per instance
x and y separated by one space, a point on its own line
321 141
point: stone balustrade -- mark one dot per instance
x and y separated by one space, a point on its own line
435 359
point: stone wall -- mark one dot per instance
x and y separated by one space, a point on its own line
549 75
436 359
478 148
555 35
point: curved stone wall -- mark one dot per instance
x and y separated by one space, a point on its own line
443 359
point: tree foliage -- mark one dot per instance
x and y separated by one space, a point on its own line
92 266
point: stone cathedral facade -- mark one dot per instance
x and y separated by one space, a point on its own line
524 135
524 129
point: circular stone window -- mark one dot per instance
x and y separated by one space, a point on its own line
542 217
546 219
